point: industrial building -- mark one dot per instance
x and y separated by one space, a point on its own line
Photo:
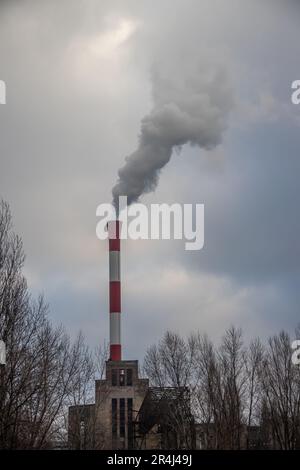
127 413
109 423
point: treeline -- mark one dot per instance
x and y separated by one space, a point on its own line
241 396
45 372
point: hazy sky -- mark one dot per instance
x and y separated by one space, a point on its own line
79 77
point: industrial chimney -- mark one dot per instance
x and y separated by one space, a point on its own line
114 290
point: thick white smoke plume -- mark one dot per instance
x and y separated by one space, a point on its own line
190 108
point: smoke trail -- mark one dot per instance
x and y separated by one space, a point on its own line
187 109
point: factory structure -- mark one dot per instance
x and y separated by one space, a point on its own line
127 413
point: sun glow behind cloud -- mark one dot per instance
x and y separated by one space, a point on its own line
105 44
101 58
103 53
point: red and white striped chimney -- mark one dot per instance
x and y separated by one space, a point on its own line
114 290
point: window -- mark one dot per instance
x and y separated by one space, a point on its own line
129 376
114 416
122 377
118 377
130 424
82 434
114 377
122 417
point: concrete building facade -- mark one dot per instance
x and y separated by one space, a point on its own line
118 399
108 424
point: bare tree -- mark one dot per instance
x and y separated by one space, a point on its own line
224 385
44 370
281 386
206 397
82 407
169 365
254 403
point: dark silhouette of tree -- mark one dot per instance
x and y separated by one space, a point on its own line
43 370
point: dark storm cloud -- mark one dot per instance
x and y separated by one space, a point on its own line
253 235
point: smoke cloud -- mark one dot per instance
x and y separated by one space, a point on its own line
190 109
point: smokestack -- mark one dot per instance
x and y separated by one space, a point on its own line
114 290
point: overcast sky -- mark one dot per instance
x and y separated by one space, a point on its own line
79 77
